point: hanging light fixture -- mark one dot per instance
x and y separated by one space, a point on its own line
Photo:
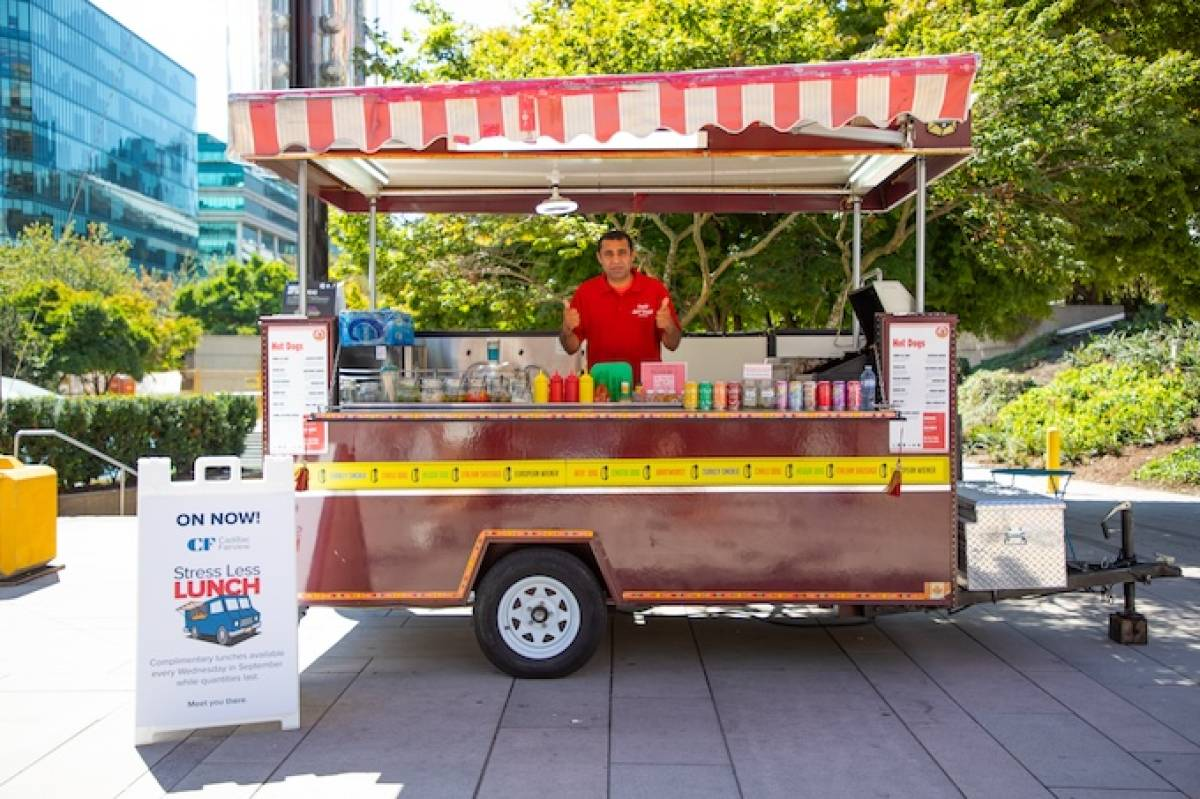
555 204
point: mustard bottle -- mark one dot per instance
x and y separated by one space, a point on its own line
587 388
541 388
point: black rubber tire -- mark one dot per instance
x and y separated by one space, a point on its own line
223 637
568 570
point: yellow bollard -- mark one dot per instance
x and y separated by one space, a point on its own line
1053 456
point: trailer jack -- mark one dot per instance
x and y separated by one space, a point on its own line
1128 626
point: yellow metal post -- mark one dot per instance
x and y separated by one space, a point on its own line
1053 456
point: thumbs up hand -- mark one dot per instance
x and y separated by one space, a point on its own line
570 317
663 317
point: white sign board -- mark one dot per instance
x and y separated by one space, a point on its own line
919 385
297 385
217 640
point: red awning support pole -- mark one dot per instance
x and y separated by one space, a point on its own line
920 234
856 274
302 244
371 251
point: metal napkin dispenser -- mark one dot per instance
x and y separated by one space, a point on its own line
1010 538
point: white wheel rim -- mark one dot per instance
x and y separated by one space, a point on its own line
538 617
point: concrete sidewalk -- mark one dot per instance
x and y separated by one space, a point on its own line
1021 699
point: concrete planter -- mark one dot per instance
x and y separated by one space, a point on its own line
101 502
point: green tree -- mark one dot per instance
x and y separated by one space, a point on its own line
233 297
1085 126
53 289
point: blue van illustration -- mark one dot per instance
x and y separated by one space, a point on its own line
223 618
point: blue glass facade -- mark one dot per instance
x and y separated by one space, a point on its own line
243 210
95 126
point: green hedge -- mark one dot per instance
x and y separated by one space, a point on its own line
128 428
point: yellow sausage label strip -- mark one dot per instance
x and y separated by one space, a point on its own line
857 471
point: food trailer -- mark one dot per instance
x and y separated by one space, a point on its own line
544 515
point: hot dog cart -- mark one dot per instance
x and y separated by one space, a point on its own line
545 515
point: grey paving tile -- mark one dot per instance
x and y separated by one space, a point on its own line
35 723
667 730
1064 751
578 702
744 644
352 785
1100 793
335 664
657 659
547 763
976 763
1181 770
224 780
655 781
171 769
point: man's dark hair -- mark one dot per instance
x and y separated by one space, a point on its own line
615 235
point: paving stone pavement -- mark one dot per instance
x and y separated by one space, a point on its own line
1021 699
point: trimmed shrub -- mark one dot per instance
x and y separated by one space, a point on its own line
980 398
1180 466
128 428
1099 409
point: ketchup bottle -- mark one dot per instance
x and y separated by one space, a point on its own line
556 387
571 388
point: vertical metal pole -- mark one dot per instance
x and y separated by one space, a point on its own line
920 234
302 244
1127 555
371 253
856 272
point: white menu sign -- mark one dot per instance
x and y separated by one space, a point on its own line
297 385
919 385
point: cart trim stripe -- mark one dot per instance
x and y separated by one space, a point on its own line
460 593
843 473
621 490
933 591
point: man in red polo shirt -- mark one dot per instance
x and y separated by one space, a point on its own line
622 314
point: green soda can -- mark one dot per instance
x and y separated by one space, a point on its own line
706 396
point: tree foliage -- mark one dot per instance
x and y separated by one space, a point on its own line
1088 161
72 304
235 295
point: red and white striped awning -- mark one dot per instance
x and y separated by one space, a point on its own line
374 119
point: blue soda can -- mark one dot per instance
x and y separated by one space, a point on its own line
839 395
796 395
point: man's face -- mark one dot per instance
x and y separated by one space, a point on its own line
616 258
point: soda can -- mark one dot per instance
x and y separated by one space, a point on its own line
838 388
750 394
853 395
691 395
706 396
720 395
810 395
781 395
733 396
796 395
824 395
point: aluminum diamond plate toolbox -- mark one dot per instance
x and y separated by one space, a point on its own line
1010 538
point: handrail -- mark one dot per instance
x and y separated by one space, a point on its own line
79 445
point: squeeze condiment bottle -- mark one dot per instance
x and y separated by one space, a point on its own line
571 388
541 388
587 388
556 387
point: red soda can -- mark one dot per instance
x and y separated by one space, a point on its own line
720 395
824 395
733 396
853 395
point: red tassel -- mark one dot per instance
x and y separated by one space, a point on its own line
302 478
894 482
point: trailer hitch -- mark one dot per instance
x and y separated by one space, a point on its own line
1128 626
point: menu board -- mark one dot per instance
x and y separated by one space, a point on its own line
919 384
297 366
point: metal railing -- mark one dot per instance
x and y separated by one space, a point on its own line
124 468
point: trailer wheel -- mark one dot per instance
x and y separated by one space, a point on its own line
539 612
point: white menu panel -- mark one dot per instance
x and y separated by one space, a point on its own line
919 385
297 385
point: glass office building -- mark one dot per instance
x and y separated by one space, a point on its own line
244 210
96 125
